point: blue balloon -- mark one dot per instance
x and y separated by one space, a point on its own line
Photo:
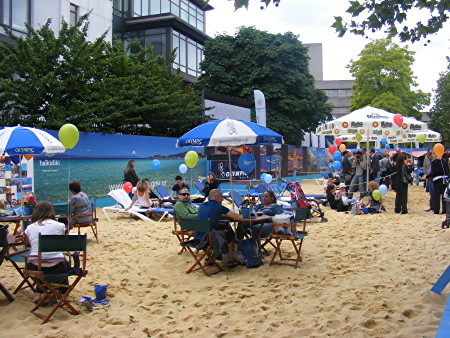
383 140
268 178
183 168
387 146
383 189
337 155
156 164
336 165
247 163
262 176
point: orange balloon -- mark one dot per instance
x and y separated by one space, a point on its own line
342 147
28 157
439 149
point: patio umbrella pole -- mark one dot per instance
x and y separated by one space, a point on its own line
21 185
231 177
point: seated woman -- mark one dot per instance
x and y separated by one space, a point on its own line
211 183
269 207
43 222
373 205
335 200
142 194
79 204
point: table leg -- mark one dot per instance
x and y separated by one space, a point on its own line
6 293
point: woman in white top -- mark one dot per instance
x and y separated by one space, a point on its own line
142 194
43 222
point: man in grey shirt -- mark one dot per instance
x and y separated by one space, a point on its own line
359 164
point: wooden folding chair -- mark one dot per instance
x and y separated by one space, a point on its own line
183 236
92 224
202 257
49 283
292 234
17 258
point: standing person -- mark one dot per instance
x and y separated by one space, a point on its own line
43 221
429 157
129 175
347 169
359 164
213 210
374 165
401 187
385 170
180 184
211 183
439 173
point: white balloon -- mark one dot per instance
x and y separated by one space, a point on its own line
268 178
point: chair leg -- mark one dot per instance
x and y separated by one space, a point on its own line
95 231
25 279
6 293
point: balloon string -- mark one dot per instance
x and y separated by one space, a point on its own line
68 191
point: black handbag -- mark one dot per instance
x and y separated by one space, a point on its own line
406 176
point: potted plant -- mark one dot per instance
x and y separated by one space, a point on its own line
29 202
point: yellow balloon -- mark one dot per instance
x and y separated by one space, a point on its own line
68 135
421 138
342 147
191 159
439 149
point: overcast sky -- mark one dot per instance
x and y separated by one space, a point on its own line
311 19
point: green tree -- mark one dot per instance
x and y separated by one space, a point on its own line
275 64
384 79
140 96
49 79
390 16
387 15
440 112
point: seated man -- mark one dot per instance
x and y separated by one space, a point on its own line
180 184
182 208
214 211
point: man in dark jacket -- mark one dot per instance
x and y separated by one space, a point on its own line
347 170
374 165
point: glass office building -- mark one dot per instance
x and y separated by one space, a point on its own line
166 25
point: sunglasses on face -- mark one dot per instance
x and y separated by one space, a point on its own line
185 194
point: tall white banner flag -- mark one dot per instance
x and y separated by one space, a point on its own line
260 107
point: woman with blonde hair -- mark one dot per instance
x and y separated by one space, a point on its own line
142 194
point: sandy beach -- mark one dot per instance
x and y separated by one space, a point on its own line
367 275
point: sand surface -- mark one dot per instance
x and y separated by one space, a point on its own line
361 276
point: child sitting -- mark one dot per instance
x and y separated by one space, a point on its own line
342 193
374 206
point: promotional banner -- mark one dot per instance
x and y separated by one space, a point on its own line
222 171
260 107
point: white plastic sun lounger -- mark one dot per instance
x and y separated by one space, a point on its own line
123 201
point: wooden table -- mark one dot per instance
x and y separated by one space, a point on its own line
244 223
16 220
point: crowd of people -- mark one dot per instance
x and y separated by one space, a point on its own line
364 172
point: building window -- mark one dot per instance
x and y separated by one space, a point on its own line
15 13
149 37
189 54
183 9
73 14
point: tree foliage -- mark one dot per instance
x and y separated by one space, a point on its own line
275 64
387 15
48 79
384 79
391 16
440 112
